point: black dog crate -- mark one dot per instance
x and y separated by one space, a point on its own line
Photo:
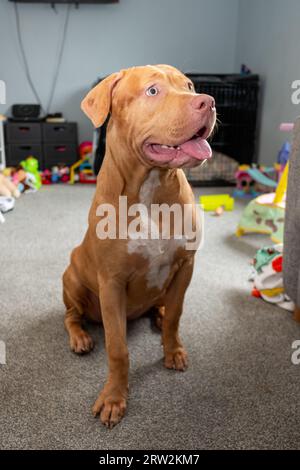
237 101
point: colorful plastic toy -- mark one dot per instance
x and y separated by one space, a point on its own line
31 166
284 154
58 174
64 173
85 149
82 170
268 279
265 214
213 202
252 181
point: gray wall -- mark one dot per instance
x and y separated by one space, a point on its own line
268 41
203 35
190 34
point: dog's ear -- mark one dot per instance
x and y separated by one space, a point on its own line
97 103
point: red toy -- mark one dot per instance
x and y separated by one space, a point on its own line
82 170
46 177
85 149
58 174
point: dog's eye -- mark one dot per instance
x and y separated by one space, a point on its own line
190 86
152 91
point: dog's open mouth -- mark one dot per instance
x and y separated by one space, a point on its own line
196 148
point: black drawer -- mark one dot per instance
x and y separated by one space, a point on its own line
60 132
17 132
59 153
15 153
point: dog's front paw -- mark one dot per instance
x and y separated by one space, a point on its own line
111 406
81 342
177 359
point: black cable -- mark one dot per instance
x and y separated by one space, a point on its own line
58 63
59 59
27 72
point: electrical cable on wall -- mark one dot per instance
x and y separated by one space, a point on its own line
58 61
59 58
25 62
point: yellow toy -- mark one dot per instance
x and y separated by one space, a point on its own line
76 166
282 185
214 202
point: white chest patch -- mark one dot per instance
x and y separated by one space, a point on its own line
158 252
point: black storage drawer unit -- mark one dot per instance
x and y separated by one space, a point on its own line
55 153
50 143
23 132
237 101
15 153
59 132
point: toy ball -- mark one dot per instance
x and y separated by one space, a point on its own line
219 211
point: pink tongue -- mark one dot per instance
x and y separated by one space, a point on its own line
197 148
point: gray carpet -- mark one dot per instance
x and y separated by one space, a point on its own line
241 390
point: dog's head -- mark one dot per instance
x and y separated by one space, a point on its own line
156 113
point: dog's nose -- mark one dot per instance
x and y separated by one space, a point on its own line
204 103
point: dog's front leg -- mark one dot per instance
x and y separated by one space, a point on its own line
111 403
175 354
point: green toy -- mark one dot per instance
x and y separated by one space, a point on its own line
261 215
31 165
266 213
213 202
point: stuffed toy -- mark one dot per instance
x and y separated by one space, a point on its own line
31 166
7 188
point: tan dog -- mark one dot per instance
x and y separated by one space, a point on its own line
158 124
